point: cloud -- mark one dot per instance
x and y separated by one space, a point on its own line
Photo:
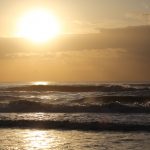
116 54
134 39
144 17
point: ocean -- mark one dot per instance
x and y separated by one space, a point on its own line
95 116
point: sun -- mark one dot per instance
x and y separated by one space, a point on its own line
38 26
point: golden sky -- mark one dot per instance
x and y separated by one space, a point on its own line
99 40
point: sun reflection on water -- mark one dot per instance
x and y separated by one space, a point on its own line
40 140
31 139
40 83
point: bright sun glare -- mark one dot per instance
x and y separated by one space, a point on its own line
39 26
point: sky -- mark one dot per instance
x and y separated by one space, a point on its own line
100 40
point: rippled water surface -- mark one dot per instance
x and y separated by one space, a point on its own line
27 139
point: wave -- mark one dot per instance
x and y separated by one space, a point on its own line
109 107
67 125
110 99
81 88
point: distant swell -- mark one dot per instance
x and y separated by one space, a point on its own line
80 88
113 107
67 125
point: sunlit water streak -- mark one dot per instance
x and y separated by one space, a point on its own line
25 139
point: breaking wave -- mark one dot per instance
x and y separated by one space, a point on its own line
114 107
124 98
105 107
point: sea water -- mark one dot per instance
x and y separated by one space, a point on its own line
31 139
75 116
